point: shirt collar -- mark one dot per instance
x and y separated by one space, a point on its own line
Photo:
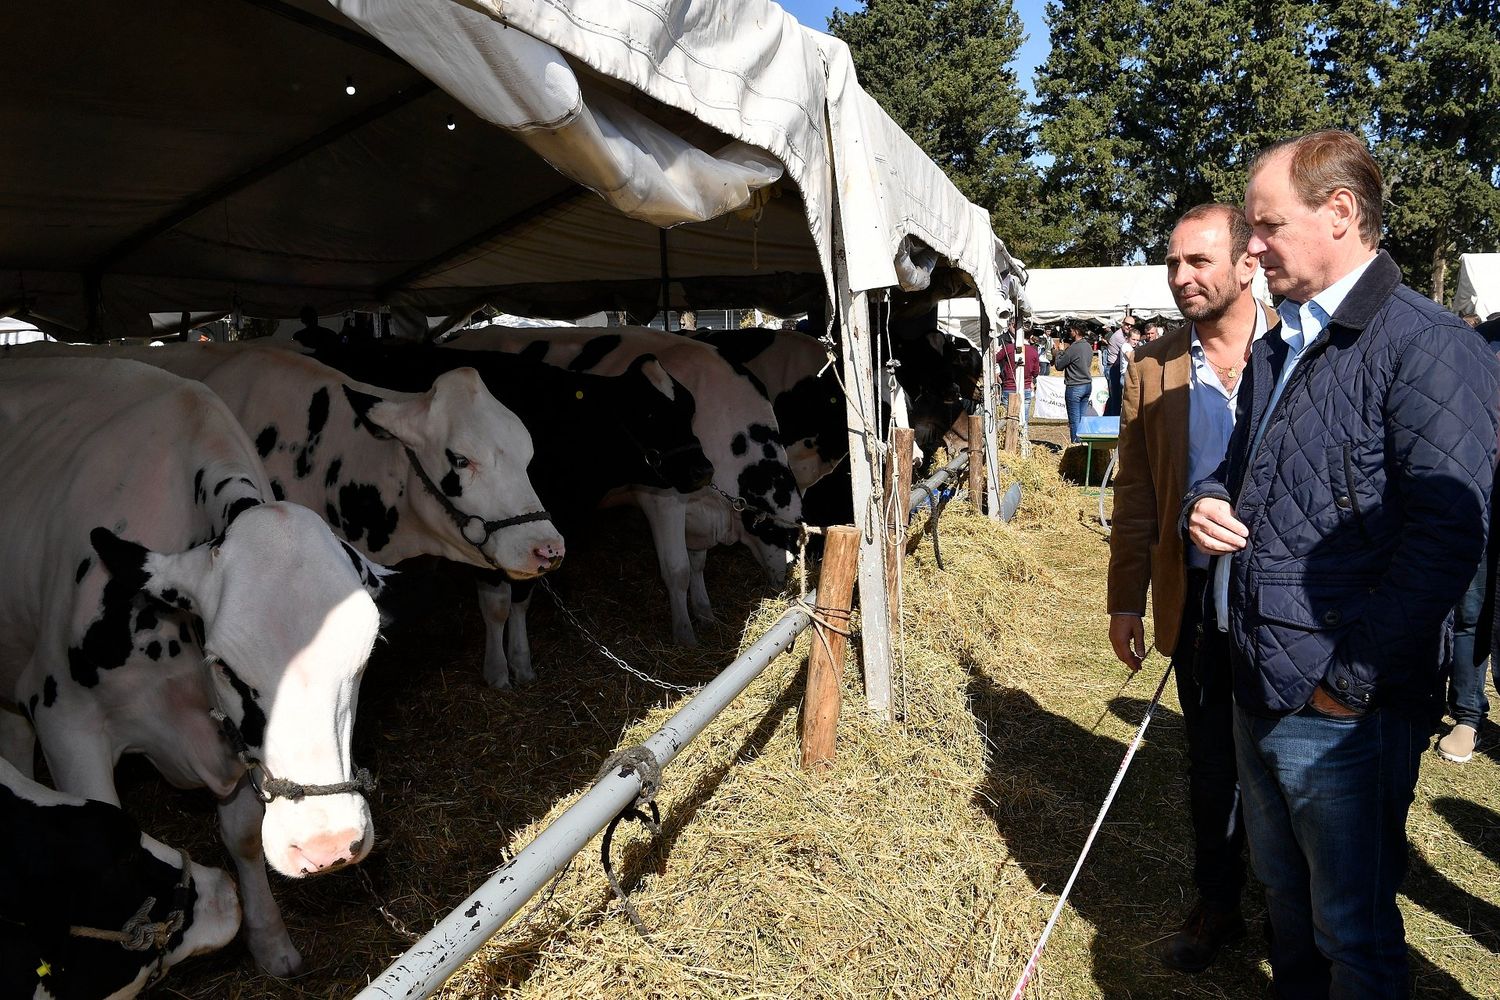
1196 346
1305 320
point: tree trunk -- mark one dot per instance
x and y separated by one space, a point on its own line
1439 263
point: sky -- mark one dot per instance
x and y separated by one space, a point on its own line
814 14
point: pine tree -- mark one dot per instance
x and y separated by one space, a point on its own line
942 69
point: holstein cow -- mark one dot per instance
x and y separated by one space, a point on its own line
736 426
593 433
440 472
92 908
157 600
795 374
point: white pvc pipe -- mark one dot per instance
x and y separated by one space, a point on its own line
428 963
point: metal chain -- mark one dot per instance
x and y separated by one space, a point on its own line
390 918
603 649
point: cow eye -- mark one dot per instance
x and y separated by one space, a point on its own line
457 461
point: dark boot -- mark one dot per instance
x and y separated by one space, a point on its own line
1206 930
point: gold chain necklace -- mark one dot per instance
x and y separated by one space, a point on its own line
1228 373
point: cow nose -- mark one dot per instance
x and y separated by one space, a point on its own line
328 851
549 556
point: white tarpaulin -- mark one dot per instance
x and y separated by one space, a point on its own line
1478 288
528 154
1105 294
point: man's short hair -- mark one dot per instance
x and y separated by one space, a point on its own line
1324 161
1239 228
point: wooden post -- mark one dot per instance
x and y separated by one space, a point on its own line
898 492
825 664
976 462
1013 424
903 448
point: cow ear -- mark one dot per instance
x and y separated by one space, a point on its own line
651 368
178 579
371 575
364 406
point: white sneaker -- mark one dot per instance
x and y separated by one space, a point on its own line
1458 745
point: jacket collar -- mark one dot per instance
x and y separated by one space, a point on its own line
1368 294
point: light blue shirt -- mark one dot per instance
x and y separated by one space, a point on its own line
1210 416
1301 322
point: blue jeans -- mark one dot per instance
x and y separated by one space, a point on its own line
1116 375
1005 395
1325 812
1077 399
1467 702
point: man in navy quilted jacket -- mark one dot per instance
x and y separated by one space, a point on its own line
1349 516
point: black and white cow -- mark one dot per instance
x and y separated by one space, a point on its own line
736 426
398 474
68 862
150 580
799 378
593 434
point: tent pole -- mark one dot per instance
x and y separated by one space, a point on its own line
991 471
865 471
666 282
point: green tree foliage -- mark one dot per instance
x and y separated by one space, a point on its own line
1147 107
942 69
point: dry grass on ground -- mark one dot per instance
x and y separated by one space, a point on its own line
924 863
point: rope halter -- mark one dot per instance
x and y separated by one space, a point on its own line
474 529
267 787
141 933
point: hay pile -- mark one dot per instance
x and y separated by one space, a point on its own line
923 863
882 876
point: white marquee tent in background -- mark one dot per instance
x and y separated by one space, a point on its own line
1478 288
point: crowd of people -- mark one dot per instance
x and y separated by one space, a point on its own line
1305 494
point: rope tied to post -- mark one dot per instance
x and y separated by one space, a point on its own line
642 762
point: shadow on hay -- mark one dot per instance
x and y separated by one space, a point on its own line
648 855
1047 777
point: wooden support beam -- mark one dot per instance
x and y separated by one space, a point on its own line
976 462
1013 424
897 482
825 663
865 464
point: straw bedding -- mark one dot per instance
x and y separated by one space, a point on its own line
922 863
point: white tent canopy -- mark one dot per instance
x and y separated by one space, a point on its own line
209 158
1478 288
1106 294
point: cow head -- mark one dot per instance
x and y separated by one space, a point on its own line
288 626
656 416
69 862
470 458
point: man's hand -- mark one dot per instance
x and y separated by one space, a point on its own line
1213 527
1127 633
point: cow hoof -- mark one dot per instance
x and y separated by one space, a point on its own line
685 638
524 677
705 618
277 958
497 677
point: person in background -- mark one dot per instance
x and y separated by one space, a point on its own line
313 334
1076 365
1043 346
1364 458
1177 415
1112 365
1031 367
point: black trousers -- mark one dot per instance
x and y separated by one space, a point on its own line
1205 688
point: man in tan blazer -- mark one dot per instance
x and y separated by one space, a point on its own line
1176 418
